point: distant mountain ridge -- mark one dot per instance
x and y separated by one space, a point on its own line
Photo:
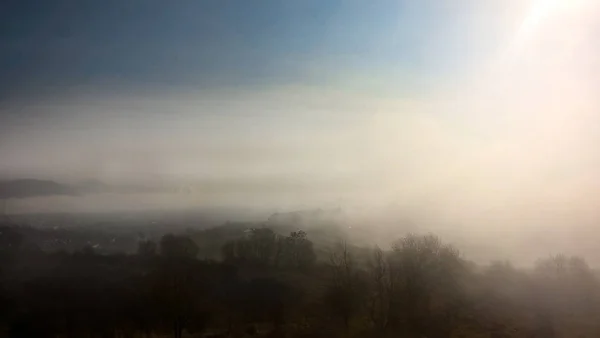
23 188
27 187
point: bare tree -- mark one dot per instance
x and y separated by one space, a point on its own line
428 281
382 288
346 290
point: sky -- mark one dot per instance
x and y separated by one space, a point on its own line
479 110
222 44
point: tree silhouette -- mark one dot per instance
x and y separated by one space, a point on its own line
297 251
147 248
272 285
345 293
428 276
173 246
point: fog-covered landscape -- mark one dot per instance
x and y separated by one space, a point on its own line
356 169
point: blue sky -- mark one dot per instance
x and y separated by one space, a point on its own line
212 43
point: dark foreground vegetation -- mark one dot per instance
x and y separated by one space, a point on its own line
269 284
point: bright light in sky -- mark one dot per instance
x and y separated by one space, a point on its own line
542 11
543 8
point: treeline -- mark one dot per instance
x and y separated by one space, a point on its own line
272 285
264 247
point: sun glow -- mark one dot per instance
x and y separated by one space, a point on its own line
540 13
541 9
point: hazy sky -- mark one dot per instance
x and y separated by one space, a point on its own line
474 107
